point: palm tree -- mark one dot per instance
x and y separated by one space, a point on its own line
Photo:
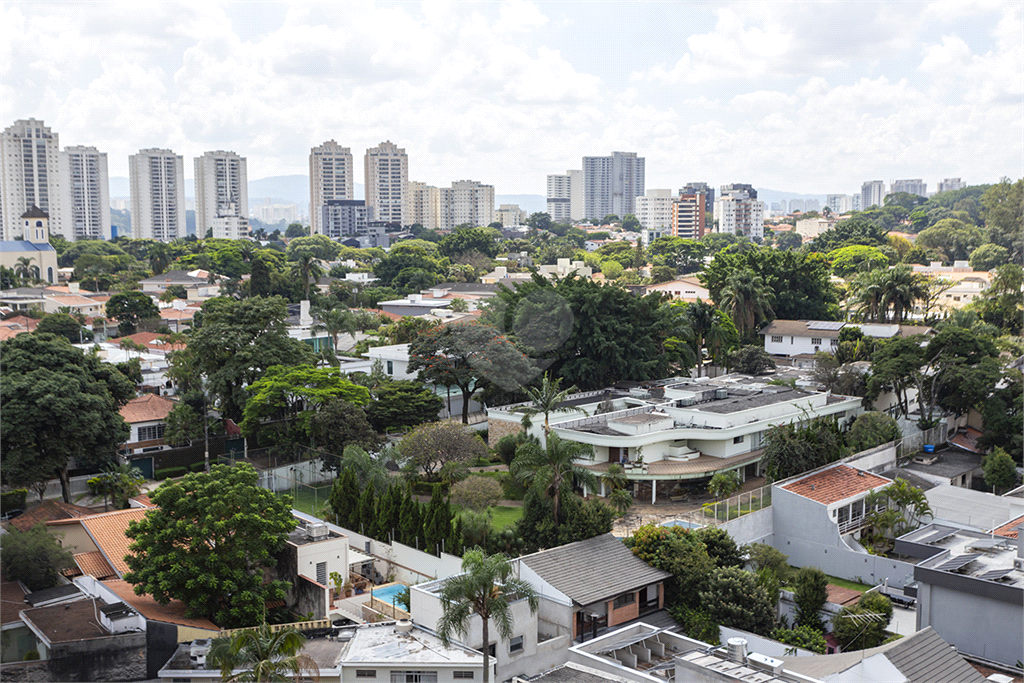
615 478
548 399
486 588
159 257
307 269
747 300
553 469
336 322
707 331
901 288
247 250
866 293
262 655
23 267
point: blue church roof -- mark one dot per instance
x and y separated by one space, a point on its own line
23 245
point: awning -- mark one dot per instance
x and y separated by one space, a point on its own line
355 557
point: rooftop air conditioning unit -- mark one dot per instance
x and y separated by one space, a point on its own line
639 392
756 660
721 393
198 650
687 401
1018 563
317 531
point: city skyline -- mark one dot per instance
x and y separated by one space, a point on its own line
511 92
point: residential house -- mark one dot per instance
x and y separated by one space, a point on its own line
147 417
15 637
688 289
15 325
302 326
76 304
312 553
196 283
795 337
153 362
48 511
414 305
395 652
102 533
178 316
675 430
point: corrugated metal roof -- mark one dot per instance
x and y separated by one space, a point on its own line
593 570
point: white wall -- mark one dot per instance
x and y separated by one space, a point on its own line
333 551
793 345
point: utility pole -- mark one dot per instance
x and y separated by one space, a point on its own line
206 429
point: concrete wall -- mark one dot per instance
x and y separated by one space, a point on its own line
762 645
310 597
876 459
445 674
973 623
73 536
121 657
803 530
756 527
333 551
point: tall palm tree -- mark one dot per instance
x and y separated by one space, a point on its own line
159 257
619 497
547 399
486 588
261 655
23 267
307 269
747 300
336 322
901 288
707 331
553 469
866 293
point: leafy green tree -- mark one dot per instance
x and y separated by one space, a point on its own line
344 499
720 546
539 221
462 241
64 325
476 493
685 256
57 403
852 231
761 556
263 654
872 429
402 403
710 331
752 360
431 445
34 557
129 309
791 449
553 468
321 246
847 261
118 483
468 356
989 257
1001 304
339 424
679 552
235 344
810 596
1003 212
485 589
296 230
387 269
1000 470
953 238
863 625
612 270
630 222
208 542
734 599
1002 414
183 424
803 637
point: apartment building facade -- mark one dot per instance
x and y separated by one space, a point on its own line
157 180
423 205
654 210
344 218
85 193
565 196
222 195
611 184
872 193
739 212
466 202
689 216
386 178
951 184
330 177
29 175
910 186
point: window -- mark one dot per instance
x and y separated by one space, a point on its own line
391 368
738 439
625 599
515 645
816 341
321 573
462 675
366 673
776 338
834 342
151 432
413 677
492 650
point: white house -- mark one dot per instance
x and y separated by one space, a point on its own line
677 429
685 289
797 337
146 415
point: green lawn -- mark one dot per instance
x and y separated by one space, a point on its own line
501 516
843 583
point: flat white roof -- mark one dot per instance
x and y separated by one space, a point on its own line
386 644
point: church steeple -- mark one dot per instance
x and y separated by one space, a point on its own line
37 225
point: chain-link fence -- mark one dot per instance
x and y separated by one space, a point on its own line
909 445
305 474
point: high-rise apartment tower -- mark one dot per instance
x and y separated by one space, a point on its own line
612 184
157 179
222 195
85 194
387 177
330 177
29 175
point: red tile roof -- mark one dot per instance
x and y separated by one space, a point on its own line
147 408
95 565
171 613
1009 530
153 341
107 531
47 512
835 484
20 320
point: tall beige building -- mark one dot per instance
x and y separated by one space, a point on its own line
29 175
222 195
467 202
85 194
330 177
387 175
423 205
157 180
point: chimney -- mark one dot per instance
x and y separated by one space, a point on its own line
305 319
415 297
73 287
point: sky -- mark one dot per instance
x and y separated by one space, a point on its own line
809 97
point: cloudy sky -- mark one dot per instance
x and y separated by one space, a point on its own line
807 97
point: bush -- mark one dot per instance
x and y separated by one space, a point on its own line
751 360
13 500
511 488
506 448
872 429
476 493
696 624
810 597
198 466
31 656
169 473
802 637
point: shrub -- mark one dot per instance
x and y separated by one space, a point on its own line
802 637
511 488
734 599
169 473
872 429
31 656
810 596
13 500
506 448
697 624
476 493
198 466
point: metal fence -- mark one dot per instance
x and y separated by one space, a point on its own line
308 479
737 505
915 443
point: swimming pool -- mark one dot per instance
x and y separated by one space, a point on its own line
389 593
682 523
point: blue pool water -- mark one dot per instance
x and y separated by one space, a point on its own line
682 523
388 594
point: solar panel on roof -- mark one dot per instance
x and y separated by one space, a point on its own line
825 325
996 574
958 562
936 536
986 543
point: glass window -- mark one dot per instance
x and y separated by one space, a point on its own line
462 675
777 338
626 599
816 341
413 677
366 673
515 645
738 439
391 368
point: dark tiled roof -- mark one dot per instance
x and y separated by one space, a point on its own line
24 245
69 622
12 601
49 594
35 212
925 657
574 674
593 570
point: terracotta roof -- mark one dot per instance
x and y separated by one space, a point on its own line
1009 530
392 316
835 484
842 596
107 531
153 341
47 512
12 601
147 606
968 440
143 501
176 314
11 332
73 300
147 408
20 320
94 565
